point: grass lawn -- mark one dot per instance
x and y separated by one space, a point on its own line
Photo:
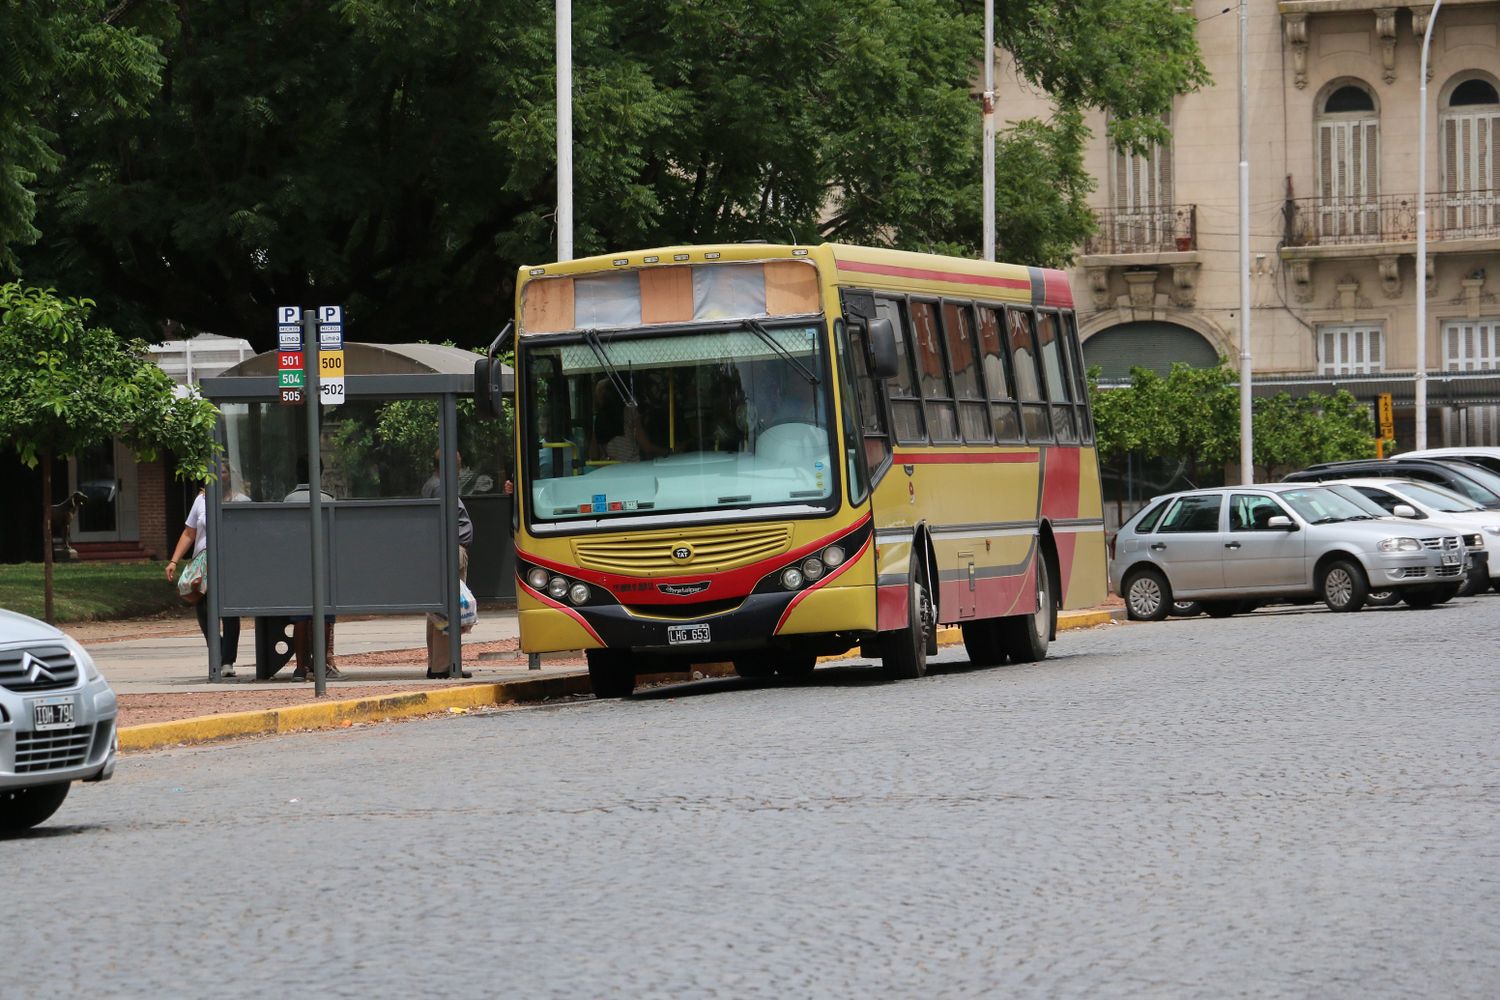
89 591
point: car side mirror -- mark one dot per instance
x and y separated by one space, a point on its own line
881 335
1281 522
1404 510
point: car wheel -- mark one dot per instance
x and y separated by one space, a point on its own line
24 808
1147 596
1024 638
1343 586
611 674
1383 599
1473 584
1226 609
1186 609
905 652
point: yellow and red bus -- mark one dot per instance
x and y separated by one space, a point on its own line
768 453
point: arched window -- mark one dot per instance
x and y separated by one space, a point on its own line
1348 165
1143 199
1471 176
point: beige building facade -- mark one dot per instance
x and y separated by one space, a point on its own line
1334 95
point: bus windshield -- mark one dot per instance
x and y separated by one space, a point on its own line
618 425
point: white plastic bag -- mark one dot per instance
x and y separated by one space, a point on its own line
468 611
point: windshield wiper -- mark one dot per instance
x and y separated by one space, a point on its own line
591 338
754 327
1360 517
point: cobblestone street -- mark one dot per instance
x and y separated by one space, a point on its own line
1291 803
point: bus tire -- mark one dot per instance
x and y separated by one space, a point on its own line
611 674
904 651
756 665
1025 637
983 642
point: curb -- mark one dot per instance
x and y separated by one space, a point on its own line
333 714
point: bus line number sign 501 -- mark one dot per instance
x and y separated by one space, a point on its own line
289 359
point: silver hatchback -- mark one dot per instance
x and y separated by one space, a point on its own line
1235 546
57 720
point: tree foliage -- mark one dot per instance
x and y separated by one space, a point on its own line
60 61
398 157
66 385
1192 415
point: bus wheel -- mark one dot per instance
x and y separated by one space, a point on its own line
761 663
905 653
611 673
793 666
984 643
1025 637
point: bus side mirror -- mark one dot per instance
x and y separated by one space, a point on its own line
881 335
492 382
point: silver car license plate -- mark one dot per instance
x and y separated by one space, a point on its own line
1450 557
687 635
52 713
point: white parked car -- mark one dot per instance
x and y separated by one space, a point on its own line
57 720
1484 457
1442 508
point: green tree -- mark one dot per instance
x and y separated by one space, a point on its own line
66 385
59 59
397 157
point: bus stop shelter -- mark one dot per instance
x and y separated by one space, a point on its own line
390 482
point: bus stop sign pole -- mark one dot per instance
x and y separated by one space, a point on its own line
311 395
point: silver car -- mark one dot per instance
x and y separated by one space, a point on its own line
1235 546
57 720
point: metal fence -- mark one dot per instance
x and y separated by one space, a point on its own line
1150 229
1391 218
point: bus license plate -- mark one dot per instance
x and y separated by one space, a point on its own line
51 713
687 635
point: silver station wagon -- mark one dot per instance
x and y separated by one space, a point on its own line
57 720
1236 546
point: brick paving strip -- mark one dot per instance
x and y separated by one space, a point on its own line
152 721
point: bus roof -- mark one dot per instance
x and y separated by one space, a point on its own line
849 266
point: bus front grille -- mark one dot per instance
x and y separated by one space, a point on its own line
713 551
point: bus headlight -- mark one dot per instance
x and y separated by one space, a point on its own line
1400 545
833 556
537 578
791 578
578 593
812 567
557 587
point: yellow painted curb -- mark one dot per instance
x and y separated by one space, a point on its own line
331 714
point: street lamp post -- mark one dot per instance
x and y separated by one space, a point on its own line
564 129
989 129
1247 443
1420 393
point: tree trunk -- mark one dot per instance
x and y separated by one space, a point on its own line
47 612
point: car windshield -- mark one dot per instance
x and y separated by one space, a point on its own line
1436 497
618 425
1354 496
1321 505
1480 485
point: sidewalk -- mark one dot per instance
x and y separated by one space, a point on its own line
159 670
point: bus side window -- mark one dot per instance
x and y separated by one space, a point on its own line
866 450
963 355
1081 404
1049 335
1005 414
1028 380
942 421
906 404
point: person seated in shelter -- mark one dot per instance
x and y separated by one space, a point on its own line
301 630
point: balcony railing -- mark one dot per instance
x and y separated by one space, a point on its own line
1392 218
1152 229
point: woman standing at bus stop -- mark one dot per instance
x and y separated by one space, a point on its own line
194 538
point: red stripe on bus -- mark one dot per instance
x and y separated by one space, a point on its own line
966 458
1067 544
1020 284
850 561
561 607
1060 483
891 607
1059 293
